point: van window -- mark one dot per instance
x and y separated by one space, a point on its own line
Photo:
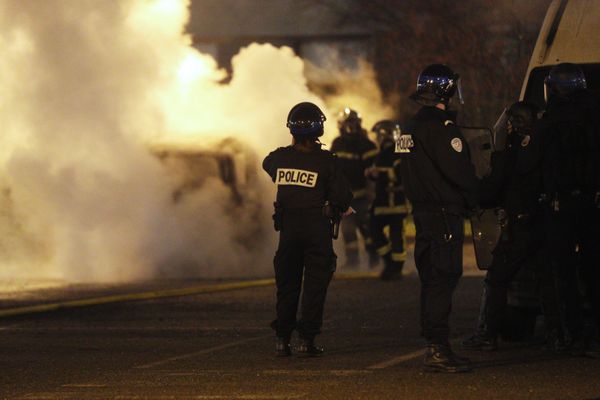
535 85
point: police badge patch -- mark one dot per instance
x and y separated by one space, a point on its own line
456 144
296 177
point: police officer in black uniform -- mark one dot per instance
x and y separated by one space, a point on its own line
356 153
513 187
389 207
571 140
312 193
440 182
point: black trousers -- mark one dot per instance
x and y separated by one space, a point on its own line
521 249
573 237
304 264
358 221
438 258
392 243
590 259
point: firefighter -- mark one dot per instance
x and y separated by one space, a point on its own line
311 193
514 188
356 153
571 180
440 183
389 206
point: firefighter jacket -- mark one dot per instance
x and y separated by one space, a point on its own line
389 193
436 169
306 180
356 153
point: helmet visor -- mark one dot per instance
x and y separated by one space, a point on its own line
459 90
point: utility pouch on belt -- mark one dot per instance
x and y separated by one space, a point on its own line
335 217
277 216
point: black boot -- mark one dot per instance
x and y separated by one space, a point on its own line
555 342
392 270
480 341
282 347
440 358
307 348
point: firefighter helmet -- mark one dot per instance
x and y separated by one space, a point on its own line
349 121
386 131
306 119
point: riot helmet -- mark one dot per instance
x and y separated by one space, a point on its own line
521 117
387 131
349 121
306 120
437 83
562 80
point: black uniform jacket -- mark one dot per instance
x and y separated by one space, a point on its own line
515 180
389 193
356 153
436 168
570 135
306 180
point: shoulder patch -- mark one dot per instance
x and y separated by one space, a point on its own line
405 144
296 177
457 144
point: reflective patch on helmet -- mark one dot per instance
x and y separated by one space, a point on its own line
448 122
525 141
405 144
456 144
297 177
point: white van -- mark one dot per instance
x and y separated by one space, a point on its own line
570 33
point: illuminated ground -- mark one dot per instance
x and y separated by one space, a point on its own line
218 346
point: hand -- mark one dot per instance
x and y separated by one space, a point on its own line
371 172
348 212
509 127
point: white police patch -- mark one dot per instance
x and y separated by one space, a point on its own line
297 177
404 144
456 144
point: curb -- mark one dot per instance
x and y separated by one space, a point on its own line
160 294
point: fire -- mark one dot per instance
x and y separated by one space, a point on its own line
88 88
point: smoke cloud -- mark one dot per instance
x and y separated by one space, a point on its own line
115 141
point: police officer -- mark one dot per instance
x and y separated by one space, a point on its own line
571 178
440 182
356 153
308 178
514 187
389 206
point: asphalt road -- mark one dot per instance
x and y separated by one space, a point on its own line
219 346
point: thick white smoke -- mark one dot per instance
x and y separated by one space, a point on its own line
95 96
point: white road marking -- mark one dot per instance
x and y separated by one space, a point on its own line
84 385
398 360
199 353
136 328
333 372
290 396
406 357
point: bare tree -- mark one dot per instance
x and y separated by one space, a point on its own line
488 42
